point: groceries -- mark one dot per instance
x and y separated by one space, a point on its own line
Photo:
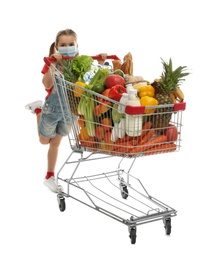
123 118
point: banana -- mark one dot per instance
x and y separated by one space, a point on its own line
173 97
178 94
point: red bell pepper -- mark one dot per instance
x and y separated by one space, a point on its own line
116 92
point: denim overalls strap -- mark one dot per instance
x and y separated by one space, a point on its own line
57 98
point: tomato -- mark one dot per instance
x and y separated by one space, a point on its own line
114 79
116 92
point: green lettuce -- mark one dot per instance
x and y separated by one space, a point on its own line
81 64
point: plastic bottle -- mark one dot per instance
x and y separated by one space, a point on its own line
133 118
107 65
115 132
122 128
128 87
119 130
88 76
123 101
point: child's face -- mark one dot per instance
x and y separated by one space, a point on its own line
66 40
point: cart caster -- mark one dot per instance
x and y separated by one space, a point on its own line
123 188
167 223
133 235
124 192
61 202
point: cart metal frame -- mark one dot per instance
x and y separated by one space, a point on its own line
126 204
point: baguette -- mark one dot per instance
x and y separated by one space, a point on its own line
116 64
127 65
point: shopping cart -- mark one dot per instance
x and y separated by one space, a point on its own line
116 193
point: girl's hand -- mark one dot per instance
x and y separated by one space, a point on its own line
103 58
57 56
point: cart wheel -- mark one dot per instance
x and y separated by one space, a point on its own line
125 192
61 202
133 235
168 226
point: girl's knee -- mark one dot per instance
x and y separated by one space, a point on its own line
55 142
44 140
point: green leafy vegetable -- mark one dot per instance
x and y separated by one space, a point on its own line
81 64
69 74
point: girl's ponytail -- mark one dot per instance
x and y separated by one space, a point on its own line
52 49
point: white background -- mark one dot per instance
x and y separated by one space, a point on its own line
32 227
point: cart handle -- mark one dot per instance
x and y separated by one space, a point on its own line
48 60
109 57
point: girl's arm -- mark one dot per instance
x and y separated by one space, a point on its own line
47 79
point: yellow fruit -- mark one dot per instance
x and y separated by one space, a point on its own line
79 91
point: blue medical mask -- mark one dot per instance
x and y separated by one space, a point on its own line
68 51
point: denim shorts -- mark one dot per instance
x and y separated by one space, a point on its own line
52 121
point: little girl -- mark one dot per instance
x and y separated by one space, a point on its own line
50 121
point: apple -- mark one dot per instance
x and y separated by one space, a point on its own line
114 79
172 133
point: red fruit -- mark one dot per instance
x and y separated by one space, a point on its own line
172 133
114 79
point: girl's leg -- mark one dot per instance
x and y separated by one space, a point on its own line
38 120
52 155
35 108
53 152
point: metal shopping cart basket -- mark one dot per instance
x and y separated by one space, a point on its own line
116 193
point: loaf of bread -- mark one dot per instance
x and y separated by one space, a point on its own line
127 65
116 64
133 79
